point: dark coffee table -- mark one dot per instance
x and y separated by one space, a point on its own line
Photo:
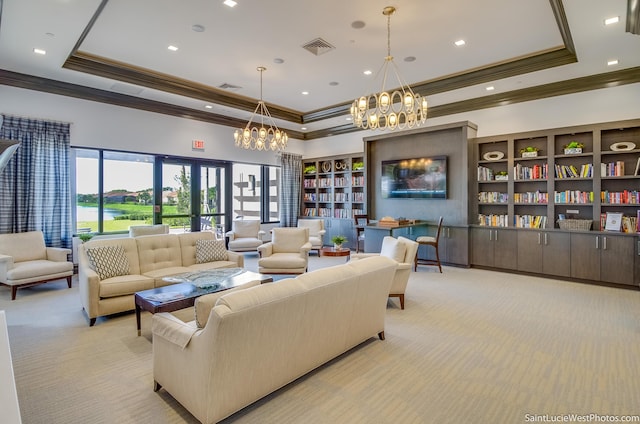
190 286
332 251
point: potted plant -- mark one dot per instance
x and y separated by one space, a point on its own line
529 152
573 148
357 166
85 237
338 241
311 169
502 175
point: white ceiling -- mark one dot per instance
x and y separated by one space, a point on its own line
256 32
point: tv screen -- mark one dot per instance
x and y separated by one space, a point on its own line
420 178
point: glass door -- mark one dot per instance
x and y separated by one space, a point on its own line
212 200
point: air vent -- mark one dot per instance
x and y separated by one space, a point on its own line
227 86
318 46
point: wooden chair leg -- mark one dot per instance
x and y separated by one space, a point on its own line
401 296
381 335
69 281
14 291
438 260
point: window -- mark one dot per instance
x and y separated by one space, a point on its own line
246 191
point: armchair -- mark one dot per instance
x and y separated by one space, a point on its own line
245 236
286 253
26 261
316 232
403 251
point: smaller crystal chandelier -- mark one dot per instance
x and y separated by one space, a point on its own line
399 110
254 138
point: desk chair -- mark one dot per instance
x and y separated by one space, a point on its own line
430 241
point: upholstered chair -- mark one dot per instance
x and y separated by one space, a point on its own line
26 261
245 236
148 230
316 232
286 253
403 251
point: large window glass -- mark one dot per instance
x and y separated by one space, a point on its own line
176 195
87 190
246 191
212 200
273 211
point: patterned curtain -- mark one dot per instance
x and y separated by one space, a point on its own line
290 190
34 187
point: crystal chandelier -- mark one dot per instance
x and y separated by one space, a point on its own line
254 138
399 110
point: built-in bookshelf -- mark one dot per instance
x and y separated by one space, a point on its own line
333 188
532 179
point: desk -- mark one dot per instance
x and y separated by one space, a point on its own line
373 234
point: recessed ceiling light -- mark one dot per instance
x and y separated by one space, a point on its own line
39 51
303 128
368 72
305 93
490 88
460 43
173 48
612 62
613 20
357 24
230 3
208 107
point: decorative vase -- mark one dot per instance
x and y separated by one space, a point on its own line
337 246
573 151
529 154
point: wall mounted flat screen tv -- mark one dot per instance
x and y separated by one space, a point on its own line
419 178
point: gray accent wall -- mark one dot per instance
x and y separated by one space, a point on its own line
450 140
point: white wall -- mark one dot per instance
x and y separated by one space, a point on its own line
113 127
590 107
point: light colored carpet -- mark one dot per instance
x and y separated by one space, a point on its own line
472 346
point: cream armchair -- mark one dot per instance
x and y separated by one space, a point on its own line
245 236
403 251
316 232
286 253
26 261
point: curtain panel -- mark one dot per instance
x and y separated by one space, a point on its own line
290 191
35 185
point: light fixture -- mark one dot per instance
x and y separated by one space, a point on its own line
253 138
398 110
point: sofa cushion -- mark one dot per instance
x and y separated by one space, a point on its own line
123 285
27 246
393 249
108 261
248 228
188 245
210 251
283 261
204 303
158 252
31 269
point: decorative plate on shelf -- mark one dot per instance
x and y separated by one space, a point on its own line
623 145
493 156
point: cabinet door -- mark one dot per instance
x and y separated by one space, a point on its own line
457 246
505 249
530 251
616 259
556 254
482 246
636 274
585 256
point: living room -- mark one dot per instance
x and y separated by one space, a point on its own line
472 345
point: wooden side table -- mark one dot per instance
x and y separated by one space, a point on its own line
332 251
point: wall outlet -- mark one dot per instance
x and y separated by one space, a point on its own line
574 211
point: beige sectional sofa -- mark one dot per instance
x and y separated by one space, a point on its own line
259 339
128 265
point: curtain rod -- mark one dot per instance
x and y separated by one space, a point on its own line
54 121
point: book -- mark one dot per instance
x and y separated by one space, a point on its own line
637 167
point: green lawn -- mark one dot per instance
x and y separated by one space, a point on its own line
115 225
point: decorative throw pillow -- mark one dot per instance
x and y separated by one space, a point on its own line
210 251
392 248
108 261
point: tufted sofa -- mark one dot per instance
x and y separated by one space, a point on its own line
257 340
139 263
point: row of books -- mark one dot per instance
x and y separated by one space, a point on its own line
357 181
337 213
492 197
308 183
534 172
570 171
485 174
530 221
612 169
324 182
616 221
620 197
358 197
534 197
493 220
573 196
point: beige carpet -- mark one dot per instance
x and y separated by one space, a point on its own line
472 346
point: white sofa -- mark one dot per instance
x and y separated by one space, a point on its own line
149 259
262 338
